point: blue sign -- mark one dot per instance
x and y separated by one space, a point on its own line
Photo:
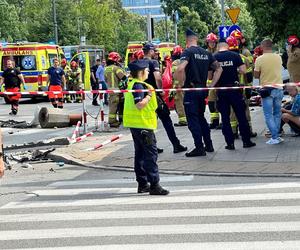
233 28
224 31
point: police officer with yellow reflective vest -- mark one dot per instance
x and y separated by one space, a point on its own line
178 96
212 43
115 77
195 63
141 118
232 98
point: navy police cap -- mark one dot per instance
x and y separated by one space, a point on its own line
189 32
138 65
148 46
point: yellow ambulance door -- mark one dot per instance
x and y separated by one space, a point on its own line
83 61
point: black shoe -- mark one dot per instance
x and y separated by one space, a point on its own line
160 150
180 124
230 147
249 144
143 189
158 190
196 152
179 148
13 112
95 104
209 148
253 134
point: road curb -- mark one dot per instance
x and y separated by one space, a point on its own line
67 159
59 141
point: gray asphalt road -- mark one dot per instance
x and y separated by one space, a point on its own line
78 208
26 113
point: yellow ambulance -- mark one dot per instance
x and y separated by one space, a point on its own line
34 60
164 48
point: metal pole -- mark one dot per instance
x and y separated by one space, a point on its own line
176 28
84 114
166 21
222 12
55 21
149 28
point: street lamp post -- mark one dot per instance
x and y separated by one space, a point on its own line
55 21
222 12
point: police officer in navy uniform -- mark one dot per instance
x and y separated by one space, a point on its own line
154 79
232 64
141 118
192 71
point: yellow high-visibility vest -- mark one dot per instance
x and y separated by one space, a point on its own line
133 117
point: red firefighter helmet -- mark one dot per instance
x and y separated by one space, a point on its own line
138 55
258 51
232 43
293 40
237 34
73 64
211 37
114 56
63 62
177 51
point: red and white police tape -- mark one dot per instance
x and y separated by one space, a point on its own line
118 91
97 146
81 138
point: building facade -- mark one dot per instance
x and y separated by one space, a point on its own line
144 7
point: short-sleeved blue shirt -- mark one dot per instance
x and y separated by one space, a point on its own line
56 75
229 61
138 96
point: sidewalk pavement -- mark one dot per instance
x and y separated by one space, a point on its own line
281 160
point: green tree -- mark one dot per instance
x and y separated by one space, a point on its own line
275 19
164 29
11 28
132 28
191 19
208 10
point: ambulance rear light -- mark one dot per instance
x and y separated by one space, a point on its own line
40 80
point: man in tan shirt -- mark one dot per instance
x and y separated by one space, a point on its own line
268 71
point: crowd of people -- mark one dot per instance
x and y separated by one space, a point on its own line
225 63
229 65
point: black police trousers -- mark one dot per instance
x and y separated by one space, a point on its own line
145 158
194 106
226 100
163 114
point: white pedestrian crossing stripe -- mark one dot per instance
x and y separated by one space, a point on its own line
137 200
79 209
253 245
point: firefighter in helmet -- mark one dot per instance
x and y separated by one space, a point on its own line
178 96
116 78
212 42
234 46
75 80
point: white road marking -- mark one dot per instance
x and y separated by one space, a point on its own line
118 181
150 230
247 245
173 213
146 199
